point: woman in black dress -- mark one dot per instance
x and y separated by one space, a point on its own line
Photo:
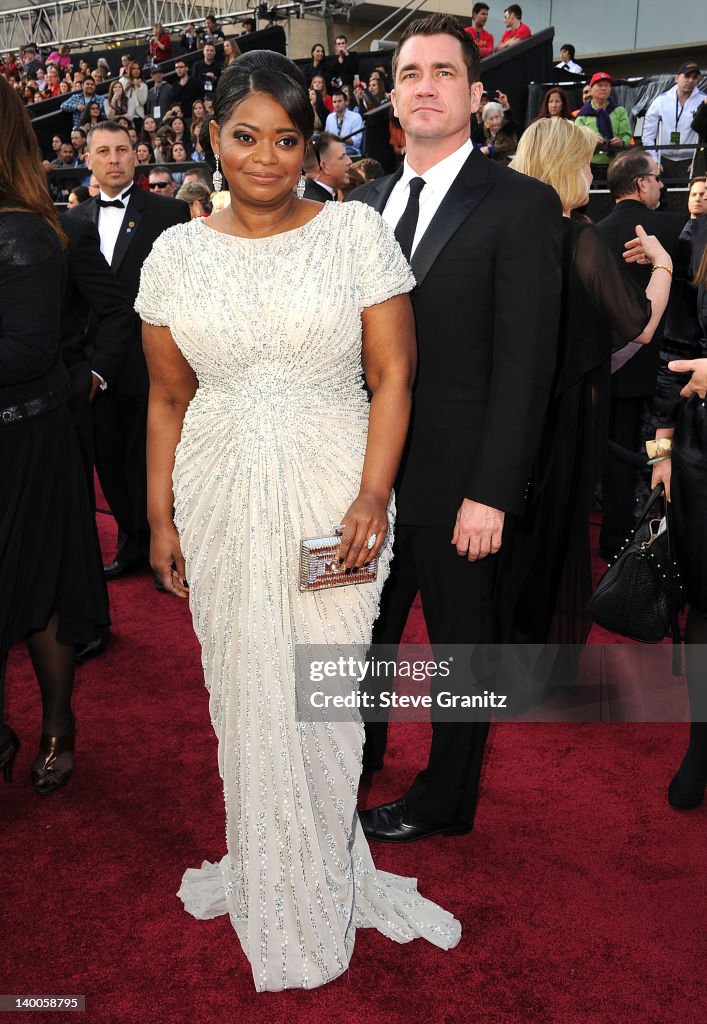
544 580
681 411
53 594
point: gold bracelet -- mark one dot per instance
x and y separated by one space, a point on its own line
661 266
661 447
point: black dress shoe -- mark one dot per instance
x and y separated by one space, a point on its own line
118 568
84 652
685 796
396 823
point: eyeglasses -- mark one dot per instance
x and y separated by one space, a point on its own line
658 177
159 184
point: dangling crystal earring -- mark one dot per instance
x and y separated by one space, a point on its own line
217 177
299 190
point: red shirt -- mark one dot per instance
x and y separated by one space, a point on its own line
522 32
483 40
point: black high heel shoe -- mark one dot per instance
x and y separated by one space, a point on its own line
7 753
54 764
685 796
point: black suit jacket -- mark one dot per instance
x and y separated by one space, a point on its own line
639 375
146 217
486 310
91 288
313 190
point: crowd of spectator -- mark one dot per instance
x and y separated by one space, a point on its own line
165 114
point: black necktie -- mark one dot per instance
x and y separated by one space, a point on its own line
405 228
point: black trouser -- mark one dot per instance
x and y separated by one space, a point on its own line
121 438
619 478
456 602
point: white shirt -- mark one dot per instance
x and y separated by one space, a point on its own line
350 121
438 180
665 115
110 221
570 65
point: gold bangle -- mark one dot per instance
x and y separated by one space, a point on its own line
661 447
661 266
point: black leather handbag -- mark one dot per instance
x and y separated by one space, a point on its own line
639 596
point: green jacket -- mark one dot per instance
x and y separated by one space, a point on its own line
619 122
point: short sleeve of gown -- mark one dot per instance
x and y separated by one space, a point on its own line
382 269
155 301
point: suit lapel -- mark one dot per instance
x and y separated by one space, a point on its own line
380 190
464 195
129 227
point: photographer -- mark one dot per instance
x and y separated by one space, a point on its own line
607 119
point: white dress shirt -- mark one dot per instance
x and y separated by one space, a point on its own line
110 221
438 180
350 121
323 184
570 65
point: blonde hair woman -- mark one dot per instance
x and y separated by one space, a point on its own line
545 565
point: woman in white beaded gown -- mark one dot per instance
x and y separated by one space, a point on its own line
258 325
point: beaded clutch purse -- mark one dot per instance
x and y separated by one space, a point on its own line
319 566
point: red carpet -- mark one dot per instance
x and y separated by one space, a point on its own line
581 894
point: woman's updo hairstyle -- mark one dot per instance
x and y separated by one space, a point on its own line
269 72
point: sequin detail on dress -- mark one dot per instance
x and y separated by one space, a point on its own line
271 451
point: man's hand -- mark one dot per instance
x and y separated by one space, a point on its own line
478 530
617 142
502 99
697 384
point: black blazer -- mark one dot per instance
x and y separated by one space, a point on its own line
313 190
145 219
486 308
91 288
639 375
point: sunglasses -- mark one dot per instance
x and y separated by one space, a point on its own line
658 177
159 184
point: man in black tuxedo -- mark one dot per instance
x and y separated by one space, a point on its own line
129 221
635 184
333 173
91 290
485 250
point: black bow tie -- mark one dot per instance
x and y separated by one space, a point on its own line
119 203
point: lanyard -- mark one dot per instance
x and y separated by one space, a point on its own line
682 109
339 125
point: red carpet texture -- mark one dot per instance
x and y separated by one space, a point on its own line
581 893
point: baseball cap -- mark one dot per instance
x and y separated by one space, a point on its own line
600 76
689 68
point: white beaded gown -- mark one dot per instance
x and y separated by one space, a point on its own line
271 451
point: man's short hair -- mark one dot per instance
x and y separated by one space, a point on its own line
341 36
569 48
699 177
324 143
161 169
108 126
442 24
623 171
514 9
338 92
478 8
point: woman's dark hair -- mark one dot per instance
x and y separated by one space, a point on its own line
569 48
23 181
81 193
271 73
566 109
